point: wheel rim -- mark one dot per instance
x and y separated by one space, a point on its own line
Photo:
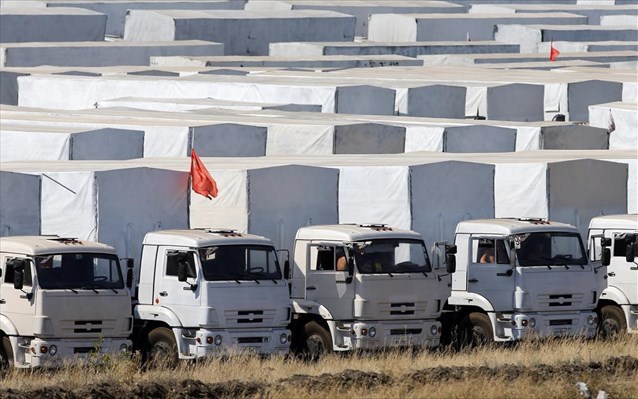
161 351
479 337
315 346
611 327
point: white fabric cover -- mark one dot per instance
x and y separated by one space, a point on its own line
520 190
625 118
19 204
21 146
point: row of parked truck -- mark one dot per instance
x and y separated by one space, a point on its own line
203 292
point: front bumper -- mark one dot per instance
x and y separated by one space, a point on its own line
527 325
372 335
51 353
215 342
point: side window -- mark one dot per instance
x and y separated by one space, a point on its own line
483 251
620 245
502 253
489 250
172 261
325 258
328 258
9 274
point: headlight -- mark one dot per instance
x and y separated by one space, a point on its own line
218 340
372 332
209 340
53 350
434 329
532 322
283 339
524 322
123 348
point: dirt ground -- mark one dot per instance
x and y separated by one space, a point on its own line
617 367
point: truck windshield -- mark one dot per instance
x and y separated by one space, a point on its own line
240 262
391 256
79 271
550 249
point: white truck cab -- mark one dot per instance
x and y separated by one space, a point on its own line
207 292
613 241
517 278
60 298
363 287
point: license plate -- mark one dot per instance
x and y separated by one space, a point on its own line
559 332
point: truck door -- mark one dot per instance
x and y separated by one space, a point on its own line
17 304
490 274
327 280
183 298
623 274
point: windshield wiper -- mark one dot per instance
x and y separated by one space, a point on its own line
92 287
74 291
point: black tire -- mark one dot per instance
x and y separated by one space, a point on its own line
162 348
317 341
612 322
6 354
476 330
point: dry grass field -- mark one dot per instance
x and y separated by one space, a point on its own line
534 369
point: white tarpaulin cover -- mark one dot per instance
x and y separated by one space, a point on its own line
429 198
33 143
19 204
108 203
571 191
619 118
241 32
439 27
101 53
19 25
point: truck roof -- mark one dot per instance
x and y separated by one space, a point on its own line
624 222
198 238
43 245
354 232
506 226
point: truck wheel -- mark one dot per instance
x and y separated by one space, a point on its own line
318 341
162 348
6 354
476 330
612 322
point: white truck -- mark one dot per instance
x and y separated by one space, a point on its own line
60 298
205 292
363 287
613 241
517 278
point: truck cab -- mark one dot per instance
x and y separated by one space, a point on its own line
60 299
363 287
613 243
206 292
518 278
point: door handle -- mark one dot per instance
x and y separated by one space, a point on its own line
311 288
611 274
2 301
163 293
472 280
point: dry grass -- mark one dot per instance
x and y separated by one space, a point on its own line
543 369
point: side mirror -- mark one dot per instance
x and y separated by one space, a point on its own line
605 242
18 274
450 263
605 258
450 258
182 270
287 269
129 273
630 253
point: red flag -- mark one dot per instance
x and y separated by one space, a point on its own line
201 180
553 52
